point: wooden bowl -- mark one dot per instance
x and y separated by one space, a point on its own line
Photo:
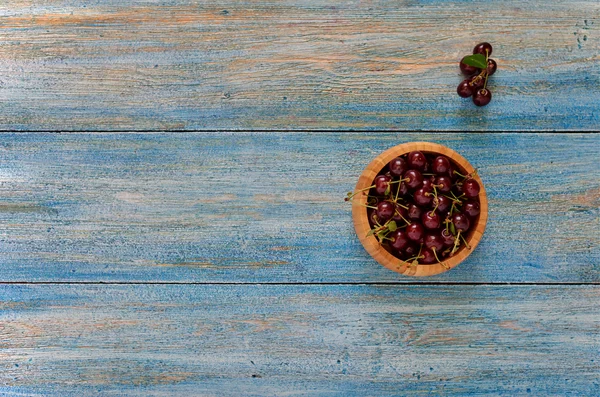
372 245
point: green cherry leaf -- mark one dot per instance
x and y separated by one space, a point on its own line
475 60
392 226
371 232
453 229
387 190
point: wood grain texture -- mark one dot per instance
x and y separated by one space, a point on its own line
268 207
259 64
299 340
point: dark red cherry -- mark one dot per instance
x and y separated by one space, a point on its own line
443 203
447 238
415 231
476 82
443 183
491 67
400 215
374 218
381 183
482 97
434 241
385 210
411 251
399 240
427 184
471 208
423 197
464 89
431 219
414 212
398 166
402 189
417 160
470 188
484 49
440 165
415 179
461 222
427 257
467 69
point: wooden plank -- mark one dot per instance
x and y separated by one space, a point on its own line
296 340
237 207
259 64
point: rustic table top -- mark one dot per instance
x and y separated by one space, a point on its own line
172 176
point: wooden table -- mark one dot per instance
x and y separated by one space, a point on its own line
186 234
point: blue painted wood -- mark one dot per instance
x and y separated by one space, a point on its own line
268 207
258 64
65 340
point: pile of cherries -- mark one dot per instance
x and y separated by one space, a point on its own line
478 67
420 206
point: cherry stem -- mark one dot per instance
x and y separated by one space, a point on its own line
465 241
358 191
456 243
414 258
459 174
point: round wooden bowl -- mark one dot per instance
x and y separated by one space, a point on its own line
372 245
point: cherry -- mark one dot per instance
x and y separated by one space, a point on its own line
423 196
385 210
427 184
374 218
402 189
467 69
431 219
444 183
482 97
471 208
476 82
464 89
415 179
443 203
461 222
417 160
398 166
400 215
414 212
484 49
399 240
381 183
440 165
470 188
434 240
491 67
411 250
415 231
447 238
428 257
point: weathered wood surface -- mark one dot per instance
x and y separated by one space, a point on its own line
268 207
257 64
298 340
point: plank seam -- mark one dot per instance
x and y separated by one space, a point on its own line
375 283
233 130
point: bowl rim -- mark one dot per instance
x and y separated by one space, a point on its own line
372 245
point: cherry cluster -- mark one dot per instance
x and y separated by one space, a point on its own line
478 67
420 206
